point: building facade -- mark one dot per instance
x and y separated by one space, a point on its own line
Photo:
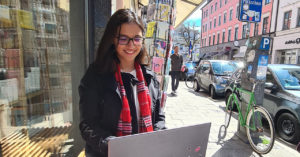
221 27
286 47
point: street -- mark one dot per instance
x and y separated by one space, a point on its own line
190 108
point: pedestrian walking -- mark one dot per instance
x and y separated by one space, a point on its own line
118 95
176 64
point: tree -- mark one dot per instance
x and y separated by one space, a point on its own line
190 33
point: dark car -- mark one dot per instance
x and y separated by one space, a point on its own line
189 69
281 98
212 76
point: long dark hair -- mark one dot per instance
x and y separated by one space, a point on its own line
107 59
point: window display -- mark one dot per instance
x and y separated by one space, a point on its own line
35 72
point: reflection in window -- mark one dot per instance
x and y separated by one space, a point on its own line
289 78
35 75
287 20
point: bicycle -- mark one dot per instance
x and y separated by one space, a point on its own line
189 80
258 124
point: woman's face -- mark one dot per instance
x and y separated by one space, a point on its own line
128 43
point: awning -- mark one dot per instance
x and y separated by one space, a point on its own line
184 8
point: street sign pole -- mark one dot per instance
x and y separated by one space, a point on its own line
250 12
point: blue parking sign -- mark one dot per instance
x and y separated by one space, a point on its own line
250 10
265 43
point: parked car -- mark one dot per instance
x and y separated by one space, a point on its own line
189 69
212 76
281 98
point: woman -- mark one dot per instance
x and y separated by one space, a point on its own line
106 109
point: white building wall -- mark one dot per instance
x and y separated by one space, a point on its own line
283 38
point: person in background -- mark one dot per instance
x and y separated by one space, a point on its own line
118 95
176 64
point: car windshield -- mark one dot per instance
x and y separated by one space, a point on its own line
223 68
289 78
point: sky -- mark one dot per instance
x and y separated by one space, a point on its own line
196 17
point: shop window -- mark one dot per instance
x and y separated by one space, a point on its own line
35 74
287 20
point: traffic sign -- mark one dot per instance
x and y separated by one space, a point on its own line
264 43
250 10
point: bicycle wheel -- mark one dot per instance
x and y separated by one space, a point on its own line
228 110
260 130
189 81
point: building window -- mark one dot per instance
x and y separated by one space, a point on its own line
265 25
216 6
213 43
229 35
244 31
236 33
215 23
267 2
225 1
230 15
287 20
298 18
205 42
220 3
237 11
207 13
210 25
223 37
225 14
209 39
255 32
205 27
220 20
211 9
218 38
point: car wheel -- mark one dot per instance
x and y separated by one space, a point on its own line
288 127
213 92
196 86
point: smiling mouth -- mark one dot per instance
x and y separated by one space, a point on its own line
129 52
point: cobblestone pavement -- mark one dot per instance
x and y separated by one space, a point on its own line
190 108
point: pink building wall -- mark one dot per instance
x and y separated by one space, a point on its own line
231 4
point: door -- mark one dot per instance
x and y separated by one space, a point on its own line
205 75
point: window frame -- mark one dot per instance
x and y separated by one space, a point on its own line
229 35
288 26
298 18
265 25
236 33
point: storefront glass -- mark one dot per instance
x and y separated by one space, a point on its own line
35 77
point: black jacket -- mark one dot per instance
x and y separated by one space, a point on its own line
100 107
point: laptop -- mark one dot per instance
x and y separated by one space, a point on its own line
189 141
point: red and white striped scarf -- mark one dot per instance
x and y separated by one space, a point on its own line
145 123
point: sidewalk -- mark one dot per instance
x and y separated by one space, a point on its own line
189 108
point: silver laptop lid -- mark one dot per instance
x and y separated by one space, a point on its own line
189 141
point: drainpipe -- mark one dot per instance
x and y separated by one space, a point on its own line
275 29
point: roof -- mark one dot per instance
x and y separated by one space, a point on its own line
184 8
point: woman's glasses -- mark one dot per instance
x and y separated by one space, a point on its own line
124 40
